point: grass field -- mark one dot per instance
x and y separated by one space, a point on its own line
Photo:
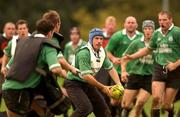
147 107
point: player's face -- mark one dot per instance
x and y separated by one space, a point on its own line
97 42
22 30
75 37
9 30
130 24
164 21
148 31
110 27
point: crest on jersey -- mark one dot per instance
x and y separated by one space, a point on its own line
159 39
170 39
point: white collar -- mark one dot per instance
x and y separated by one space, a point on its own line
29 34
39 35
142 38
80 42
89 45
4 35
170 28
124 32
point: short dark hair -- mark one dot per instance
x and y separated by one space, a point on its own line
76 29
21 21
53 16
44 26
167 13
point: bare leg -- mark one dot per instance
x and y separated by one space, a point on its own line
158 89
157 93
142 97
170 94
128 98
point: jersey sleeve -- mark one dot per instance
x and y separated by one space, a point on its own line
112 43
50 56
152 44
7 50
107 64
9 64
176 35
66 52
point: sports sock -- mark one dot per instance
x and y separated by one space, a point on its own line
156 113
125 112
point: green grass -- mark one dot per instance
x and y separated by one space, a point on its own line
147 108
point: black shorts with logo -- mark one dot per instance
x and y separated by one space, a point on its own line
136 82
172 79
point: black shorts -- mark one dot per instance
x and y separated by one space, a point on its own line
19 101
172 79
137 82
103 77
113 83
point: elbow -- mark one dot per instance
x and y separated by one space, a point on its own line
59 71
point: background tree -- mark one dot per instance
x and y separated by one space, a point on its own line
84 13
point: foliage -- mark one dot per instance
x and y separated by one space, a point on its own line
84 13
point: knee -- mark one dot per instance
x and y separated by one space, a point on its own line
156 100
139 104
125 105
85 111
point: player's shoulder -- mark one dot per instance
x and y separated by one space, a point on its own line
83 51
139 33
68 44
117 35
176 29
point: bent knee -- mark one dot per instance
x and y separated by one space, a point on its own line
85 111
140 104
125 105
156 100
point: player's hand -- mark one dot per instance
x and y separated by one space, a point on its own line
64 91
4 71
124 76
127 58
171 66
116 61
63 73
106 90
74 70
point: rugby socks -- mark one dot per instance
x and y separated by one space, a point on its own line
170 112
125 112
155 112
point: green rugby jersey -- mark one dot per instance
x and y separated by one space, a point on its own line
47 56
7 50
167 46
118 43
143 65
83 63
69 51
